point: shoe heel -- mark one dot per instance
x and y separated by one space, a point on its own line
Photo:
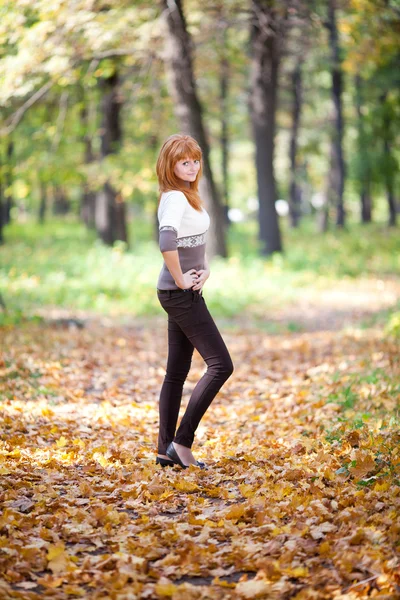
164 462
172 453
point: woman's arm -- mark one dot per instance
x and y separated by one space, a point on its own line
202 275
183 280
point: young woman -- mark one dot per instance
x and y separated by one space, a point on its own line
183 224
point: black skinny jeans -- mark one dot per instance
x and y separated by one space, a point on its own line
190 326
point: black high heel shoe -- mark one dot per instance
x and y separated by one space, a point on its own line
164 462
172 453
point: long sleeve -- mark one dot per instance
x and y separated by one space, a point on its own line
168 239
170 218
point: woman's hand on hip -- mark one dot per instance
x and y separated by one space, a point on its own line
188 279
202 276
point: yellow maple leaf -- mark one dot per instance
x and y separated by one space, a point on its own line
79 442
165 587
58 559
364 464
297 572
382 487
55 550
101 459
255 588
47 412
235 511
246 490
49 581
324 548
221 523
186 486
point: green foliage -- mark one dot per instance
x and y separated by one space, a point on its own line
72 46
392 327
351 252
62 264
13 317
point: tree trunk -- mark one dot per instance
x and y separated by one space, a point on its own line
263 94
294 190
189 114
110 216
1 221
330 197
390 187
365 183
366 205
389 166
224 86
43 203
1 207
88 200
8 180
337 136
154 144
61 204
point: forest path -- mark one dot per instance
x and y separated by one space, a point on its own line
348 303
301 445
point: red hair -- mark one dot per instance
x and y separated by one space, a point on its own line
177 147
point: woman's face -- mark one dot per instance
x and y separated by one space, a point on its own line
187 169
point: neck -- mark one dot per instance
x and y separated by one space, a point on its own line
185 184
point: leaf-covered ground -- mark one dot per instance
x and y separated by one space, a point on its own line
300 499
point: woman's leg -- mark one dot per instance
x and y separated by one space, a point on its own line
188 311
180 351
204 335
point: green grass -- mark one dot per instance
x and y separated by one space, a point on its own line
372 249
63 264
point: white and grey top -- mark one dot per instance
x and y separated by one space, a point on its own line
181 228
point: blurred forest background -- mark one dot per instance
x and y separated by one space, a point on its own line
295 103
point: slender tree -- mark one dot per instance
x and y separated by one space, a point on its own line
389 167
224 136
61 203
267 33
1 205
88 199
110 216
338 125
188 110
294 188
363 156
8 180
43 202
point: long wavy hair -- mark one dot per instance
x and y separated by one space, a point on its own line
175 148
